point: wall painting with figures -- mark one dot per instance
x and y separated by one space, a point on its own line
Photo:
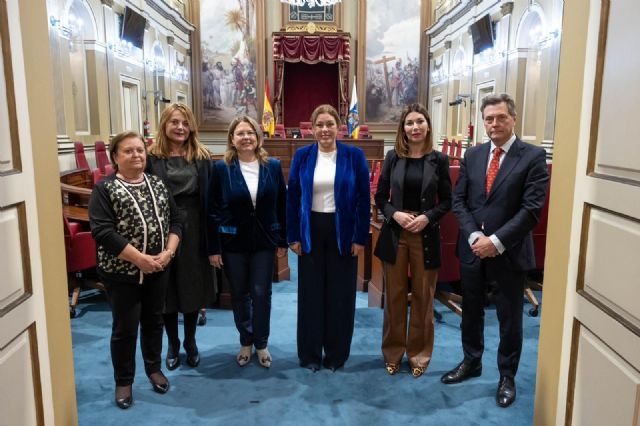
228 63
391 76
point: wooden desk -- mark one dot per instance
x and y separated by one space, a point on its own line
77 213
285 148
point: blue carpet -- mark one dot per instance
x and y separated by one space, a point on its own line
219 392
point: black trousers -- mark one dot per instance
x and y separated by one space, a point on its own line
509 305
250 275
326 297
132 306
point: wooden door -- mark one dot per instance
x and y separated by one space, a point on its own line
27 231
598 356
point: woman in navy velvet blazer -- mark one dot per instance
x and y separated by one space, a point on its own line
327 223
247 227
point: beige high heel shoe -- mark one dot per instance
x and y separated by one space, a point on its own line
264 357
244 356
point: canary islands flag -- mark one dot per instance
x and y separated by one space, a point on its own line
353 120
268 121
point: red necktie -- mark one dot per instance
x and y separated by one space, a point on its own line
493 168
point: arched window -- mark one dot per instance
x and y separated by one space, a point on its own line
159 66
79 18
531 32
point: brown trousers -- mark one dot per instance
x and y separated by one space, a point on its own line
418 342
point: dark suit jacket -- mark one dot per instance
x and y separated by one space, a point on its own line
351 192
435 199
511 209
158 166
234 224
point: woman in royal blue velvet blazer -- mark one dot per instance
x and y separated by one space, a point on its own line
327 226
247 228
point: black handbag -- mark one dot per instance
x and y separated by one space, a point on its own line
387 244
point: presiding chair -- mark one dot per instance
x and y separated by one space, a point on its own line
363 133
279 131
80 251
305 129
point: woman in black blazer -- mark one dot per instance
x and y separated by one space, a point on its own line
246 229
414 192
183 163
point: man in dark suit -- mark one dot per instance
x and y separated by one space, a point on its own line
497 200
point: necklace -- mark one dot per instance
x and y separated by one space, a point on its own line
131 181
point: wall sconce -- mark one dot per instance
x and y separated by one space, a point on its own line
63 30
159 97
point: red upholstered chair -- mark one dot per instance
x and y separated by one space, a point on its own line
98 175
539 234
80 251
458 152
305 129
363 133
452 148
445 146
102 159
449 267
279 131
81 159
375 175
343 132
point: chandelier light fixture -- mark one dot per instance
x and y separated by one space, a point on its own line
311 3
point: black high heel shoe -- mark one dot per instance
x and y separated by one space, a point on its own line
173 356
193 356
159 382
124 396
202 317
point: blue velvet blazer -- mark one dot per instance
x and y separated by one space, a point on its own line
234 225
351 192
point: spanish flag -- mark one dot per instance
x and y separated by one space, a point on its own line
353 120
268 121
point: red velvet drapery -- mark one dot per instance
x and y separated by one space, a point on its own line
331 48
306 87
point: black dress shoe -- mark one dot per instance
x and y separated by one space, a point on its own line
506 393
463 371
173 359
193 356
159 382
124 397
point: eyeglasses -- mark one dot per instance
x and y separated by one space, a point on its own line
246 134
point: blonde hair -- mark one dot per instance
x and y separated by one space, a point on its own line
402 142
325 109
193 148
231 154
